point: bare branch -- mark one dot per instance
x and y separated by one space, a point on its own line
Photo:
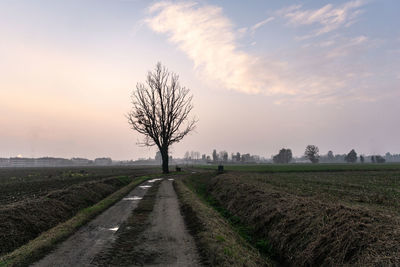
161 108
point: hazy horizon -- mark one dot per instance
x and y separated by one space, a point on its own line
263 76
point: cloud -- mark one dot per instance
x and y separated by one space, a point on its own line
347 47
328 17
208 38
261 23
313 73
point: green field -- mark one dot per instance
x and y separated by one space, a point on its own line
374 185
306 167
375 189
312 214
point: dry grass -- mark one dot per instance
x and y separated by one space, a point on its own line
305 231
218 244
23 221
38 247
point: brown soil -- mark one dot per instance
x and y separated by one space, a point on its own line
25 220
307 232
18 184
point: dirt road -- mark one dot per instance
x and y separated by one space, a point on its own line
168 234
164 241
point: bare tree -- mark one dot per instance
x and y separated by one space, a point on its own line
284 156
312 153
351 157
161 110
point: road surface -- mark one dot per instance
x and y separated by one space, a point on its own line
164 242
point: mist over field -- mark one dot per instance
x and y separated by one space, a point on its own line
264 76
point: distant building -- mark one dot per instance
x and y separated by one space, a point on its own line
80 161
103 161
40 162
158 157
4 162
52 162
22 162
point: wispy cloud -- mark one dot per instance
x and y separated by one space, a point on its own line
346 47
311 73
328 17
261 23
208 38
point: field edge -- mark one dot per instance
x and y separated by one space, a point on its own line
217 242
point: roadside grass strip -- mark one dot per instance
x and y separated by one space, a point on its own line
218 243
44 243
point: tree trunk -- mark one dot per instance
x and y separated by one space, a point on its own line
164 155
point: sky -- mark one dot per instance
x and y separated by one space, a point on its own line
264 75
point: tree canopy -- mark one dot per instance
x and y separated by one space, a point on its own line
351 157
311 153
284 156
160 111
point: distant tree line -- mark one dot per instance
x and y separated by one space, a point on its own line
285 156
311 154
193 157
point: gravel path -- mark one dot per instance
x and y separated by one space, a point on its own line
164 242
80 248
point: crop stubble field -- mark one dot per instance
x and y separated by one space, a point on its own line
17 184
34 200
297 214
323 214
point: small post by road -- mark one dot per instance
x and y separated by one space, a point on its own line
220 169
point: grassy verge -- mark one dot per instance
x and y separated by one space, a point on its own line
198 184
38 247
218 243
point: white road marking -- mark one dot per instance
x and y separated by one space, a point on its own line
170 179
114 229
145 186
